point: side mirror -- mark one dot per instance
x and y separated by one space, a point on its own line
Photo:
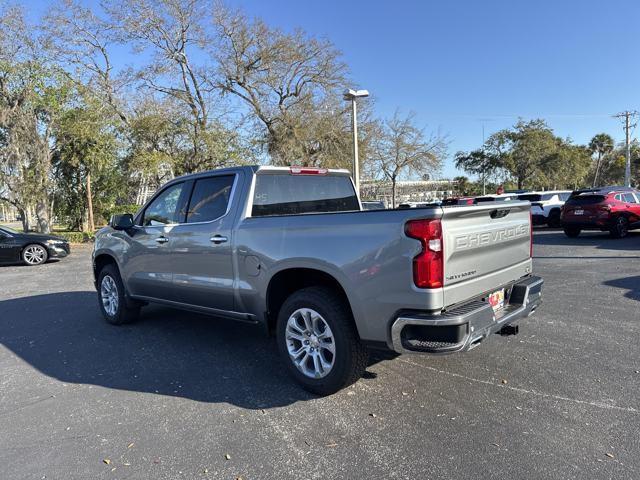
121 222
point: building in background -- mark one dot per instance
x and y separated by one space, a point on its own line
419 191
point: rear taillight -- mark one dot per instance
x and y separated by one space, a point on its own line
530 235
428 265
308 171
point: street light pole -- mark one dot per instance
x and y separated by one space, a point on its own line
354 130
352 95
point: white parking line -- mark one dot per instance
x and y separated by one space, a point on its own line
522 390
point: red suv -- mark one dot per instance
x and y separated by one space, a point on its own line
613 209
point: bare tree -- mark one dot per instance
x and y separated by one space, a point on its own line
290 83
172 33
81 43
401 149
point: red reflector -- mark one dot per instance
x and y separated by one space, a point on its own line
428 268
307 171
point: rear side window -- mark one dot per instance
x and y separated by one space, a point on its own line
210 198
163 210
532 197
285 194
585 200
629 198
564 196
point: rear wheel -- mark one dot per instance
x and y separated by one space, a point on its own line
318 341
572 232
554 219
113 303
619 227
34 254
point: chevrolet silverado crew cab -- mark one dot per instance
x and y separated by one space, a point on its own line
290 249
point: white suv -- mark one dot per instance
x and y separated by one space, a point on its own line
545 206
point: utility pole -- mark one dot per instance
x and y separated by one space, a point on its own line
484 166
627 115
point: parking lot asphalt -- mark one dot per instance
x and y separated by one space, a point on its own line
179 395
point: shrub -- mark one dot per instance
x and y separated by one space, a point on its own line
76 237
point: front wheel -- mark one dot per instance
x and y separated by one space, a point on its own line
34 254
111 297
571 232
619 228
318 341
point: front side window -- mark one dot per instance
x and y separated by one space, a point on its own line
210 198
163 210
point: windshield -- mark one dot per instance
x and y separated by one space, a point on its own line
8 229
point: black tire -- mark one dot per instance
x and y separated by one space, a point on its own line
34 254
125 310
554 219
572 232
619 227
351 357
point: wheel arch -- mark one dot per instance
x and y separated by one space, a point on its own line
100 261
289 280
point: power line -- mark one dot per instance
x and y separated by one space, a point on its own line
627 115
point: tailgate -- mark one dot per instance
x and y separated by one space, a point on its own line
485 247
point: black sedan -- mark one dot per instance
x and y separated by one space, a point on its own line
30 248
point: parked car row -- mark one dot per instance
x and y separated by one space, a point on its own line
612 209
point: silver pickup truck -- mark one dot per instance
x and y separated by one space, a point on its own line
291 250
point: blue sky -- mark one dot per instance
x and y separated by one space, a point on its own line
460 65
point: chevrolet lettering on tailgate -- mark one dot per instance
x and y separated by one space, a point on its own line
474 240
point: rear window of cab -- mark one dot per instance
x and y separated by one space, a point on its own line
286 194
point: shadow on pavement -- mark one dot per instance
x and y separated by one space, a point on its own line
632 284
167 352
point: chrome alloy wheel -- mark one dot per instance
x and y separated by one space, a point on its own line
34 255
109 295
310 343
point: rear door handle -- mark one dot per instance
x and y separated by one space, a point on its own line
218 239
162 239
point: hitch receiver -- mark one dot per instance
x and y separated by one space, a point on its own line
509 330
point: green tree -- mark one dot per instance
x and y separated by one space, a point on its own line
522 149
32 97
479 162
86 145
600 145
568 166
